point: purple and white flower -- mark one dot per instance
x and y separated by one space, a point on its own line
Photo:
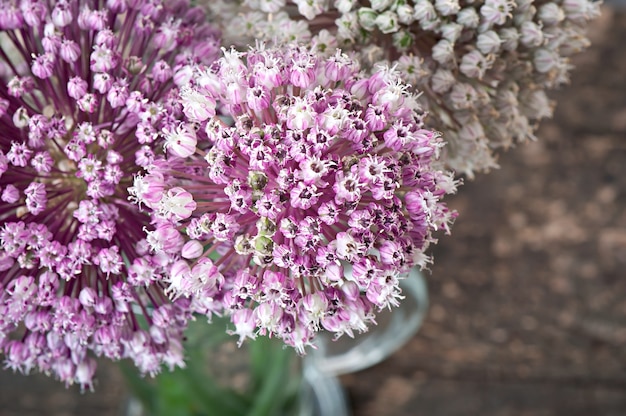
82 89
311 169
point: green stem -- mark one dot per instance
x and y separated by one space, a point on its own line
275 384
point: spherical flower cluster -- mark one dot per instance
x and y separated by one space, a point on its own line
318 196
483 67
84 92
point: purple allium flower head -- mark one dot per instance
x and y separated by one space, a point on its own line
84 89
321 170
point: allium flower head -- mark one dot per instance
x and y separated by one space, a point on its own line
319 196
84 91
483 67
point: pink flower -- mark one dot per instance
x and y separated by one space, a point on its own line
76 87
73 253
245 324
178 203
197 106
288 197
192 249
181 140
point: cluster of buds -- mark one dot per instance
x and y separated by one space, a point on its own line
85 92
304 208
483 67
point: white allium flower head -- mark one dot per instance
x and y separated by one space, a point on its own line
495 46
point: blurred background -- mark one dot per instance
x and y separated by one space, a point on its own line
528 294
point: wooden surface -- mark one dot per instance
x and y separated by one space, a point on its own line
528 296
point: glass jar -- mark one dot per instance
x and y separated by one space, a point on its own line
394 328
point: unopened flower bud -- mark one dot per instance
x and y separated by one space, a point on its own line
380 5
545 60
134 65
257 180
442 80
387 22
451 31
402 40
488 42
350 289
87 296
367 18
405 14
531 35
266 227
20 118
192 249
447 7
263 245
443 51
510 38
344 6
551 14
468 17
243 245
